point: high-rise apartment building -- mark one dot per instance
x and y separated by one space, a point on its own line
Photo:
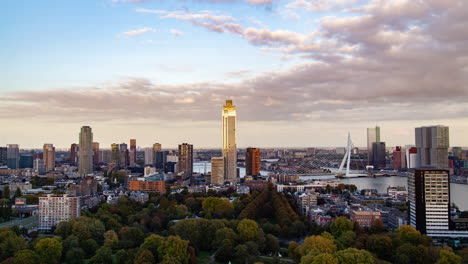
54 209
3 156
48 152
96 156
185 164
73 154
115 154
161 159
378 155
105 156
13 156
156 147
373 135
399 158
26 161
229 142
217 170
133 152
38 165
85 152
432 143
252 161
124 155
149 156
429 199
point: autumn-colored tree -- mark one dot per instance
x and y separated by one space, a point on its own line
103 256
315 245
152 243
446 256
176 249
49 250
145 257
340 225
247 229
26 256
111 239
354 256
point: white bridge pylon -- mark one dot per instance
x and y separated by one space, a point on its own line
347 159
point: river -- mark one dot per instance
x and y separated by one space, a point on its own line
458 192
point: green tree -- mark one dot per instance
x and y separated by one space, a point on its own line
247 229
18 192
346 239
10 243
224 233
271 244
241 255
75 256
315 245
85 228
130 237
381 245
152 243
293 251
49 250
103 256
176 249
5 209
6 192
446 256
26 256
411 254
408 234
225 251
89 246
341 225
111 239
325 258
144 257
354 256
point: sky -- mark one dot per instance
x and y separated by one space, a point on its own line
302 73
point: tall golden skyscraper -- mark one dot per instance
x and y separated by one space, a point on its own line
49 157
85 152
229 142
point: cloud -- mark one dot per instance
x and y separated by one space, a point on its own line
222 23
139 31
322 5
386 60
176 32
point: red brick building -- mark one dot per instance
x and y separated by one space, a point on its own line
365 218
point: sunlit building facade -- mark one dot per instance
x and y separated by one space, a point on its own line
229 142
49 156
85 152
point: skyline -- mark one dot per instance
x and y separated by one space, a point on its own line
301 73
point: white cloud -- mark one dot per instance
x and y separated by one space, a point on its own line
176 32
139 31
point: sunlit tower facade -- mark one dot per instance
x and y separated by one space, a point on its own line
85 152
133 152
49 157
229 142
252 161
373 136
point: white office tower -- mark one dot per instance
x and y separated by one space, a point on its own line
432 144
429 198
229 142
